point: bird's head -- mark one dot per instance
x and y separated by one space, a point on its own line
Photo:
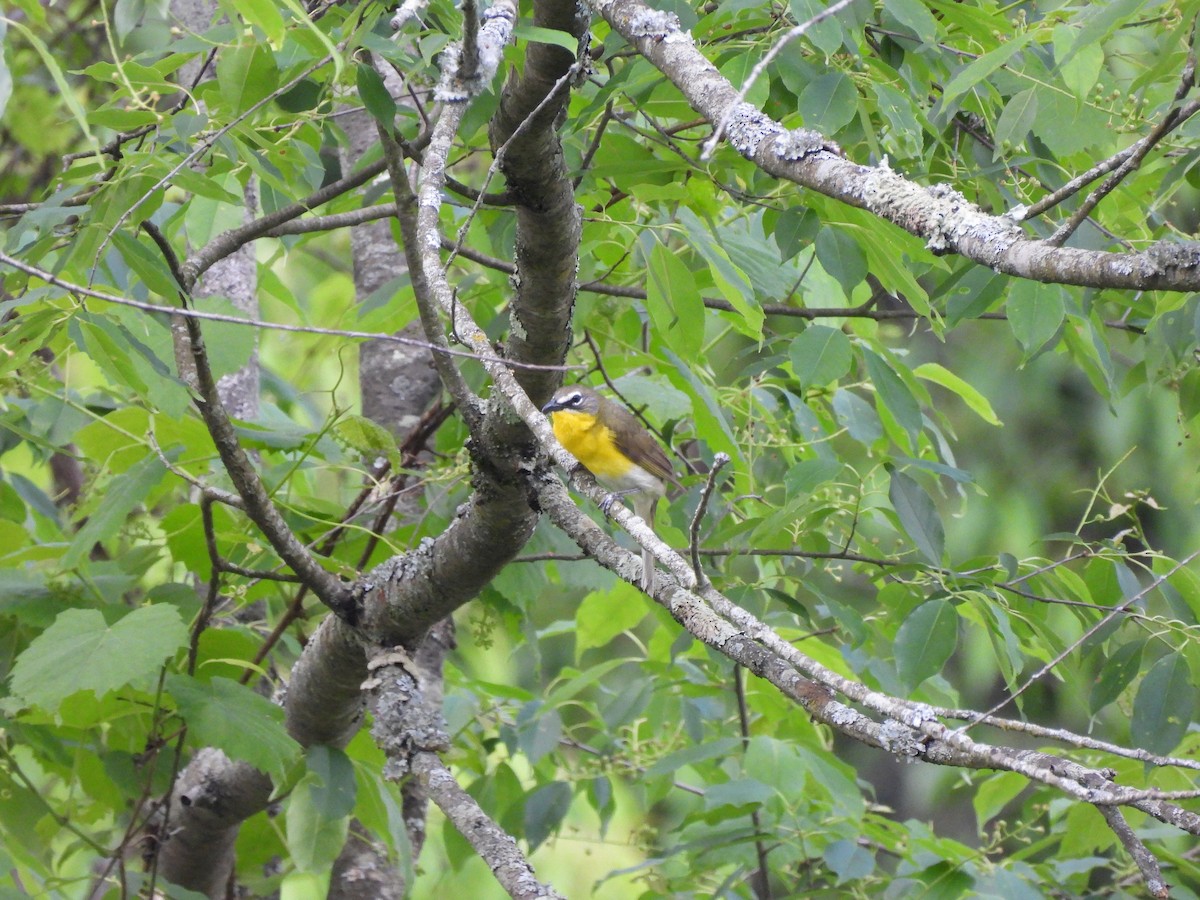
573 398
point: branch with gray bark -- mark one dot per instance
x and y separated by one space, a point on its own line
939 215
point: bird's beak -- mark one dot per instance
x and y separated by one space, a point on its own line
549 407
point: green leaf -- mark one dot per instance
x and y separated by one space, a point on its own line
893 393
826 35
333 787
82 652
925 642
1116 674
994 793
527 32
368 439
571 683
229 344
841 256
902 136
730 280
1164 705
605 614
318 813
544 811
320 38
375 95
1067 127
828 103
1035 312
820 355
124 492
975 401
246 73
122 119
1189 395
674 302
915 16
662 401
809 475
297 885
1100 19
972 293
857 417
229 716
6 82
692 754
1017 119
979 69
848 860
918 516
711 421
65 91
1082 69
149 265
540 730
737 793
265 14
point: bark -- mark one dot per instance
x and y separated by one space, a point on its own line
211 799
363 871
324 700
548 218
403 597
406 704
398 381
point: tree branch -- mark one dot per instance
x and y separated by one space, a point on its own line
258 505
941 216
548 219
410 729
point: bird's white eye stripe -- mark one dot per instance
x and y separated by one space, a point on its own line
575 399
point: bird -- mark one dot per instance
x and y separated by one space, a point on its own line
615 447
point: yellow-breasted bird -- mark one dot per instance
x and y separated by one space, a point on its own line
612 444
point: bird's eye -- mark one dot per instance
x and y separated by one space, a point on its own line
574 399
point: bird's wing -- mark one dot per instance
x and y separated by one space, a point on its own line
638 444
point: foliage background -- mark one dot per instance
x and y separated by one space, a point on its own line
582 718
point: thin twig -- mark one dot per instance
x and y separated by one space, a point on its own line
201 148
1116 610
1170 122
719 462
410 448
189 313
789 36
424 282
760 880
258 504
586 162
498 157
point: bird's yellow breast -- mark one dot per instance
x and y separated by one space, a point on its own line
591 443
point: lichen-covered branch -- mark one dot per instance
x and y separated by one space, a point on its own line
408 726
493 844
940 215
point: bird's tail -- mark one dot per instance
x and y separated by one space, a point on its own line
648 579
644 506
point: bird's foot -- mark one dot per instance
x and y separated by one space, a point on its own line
611 498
